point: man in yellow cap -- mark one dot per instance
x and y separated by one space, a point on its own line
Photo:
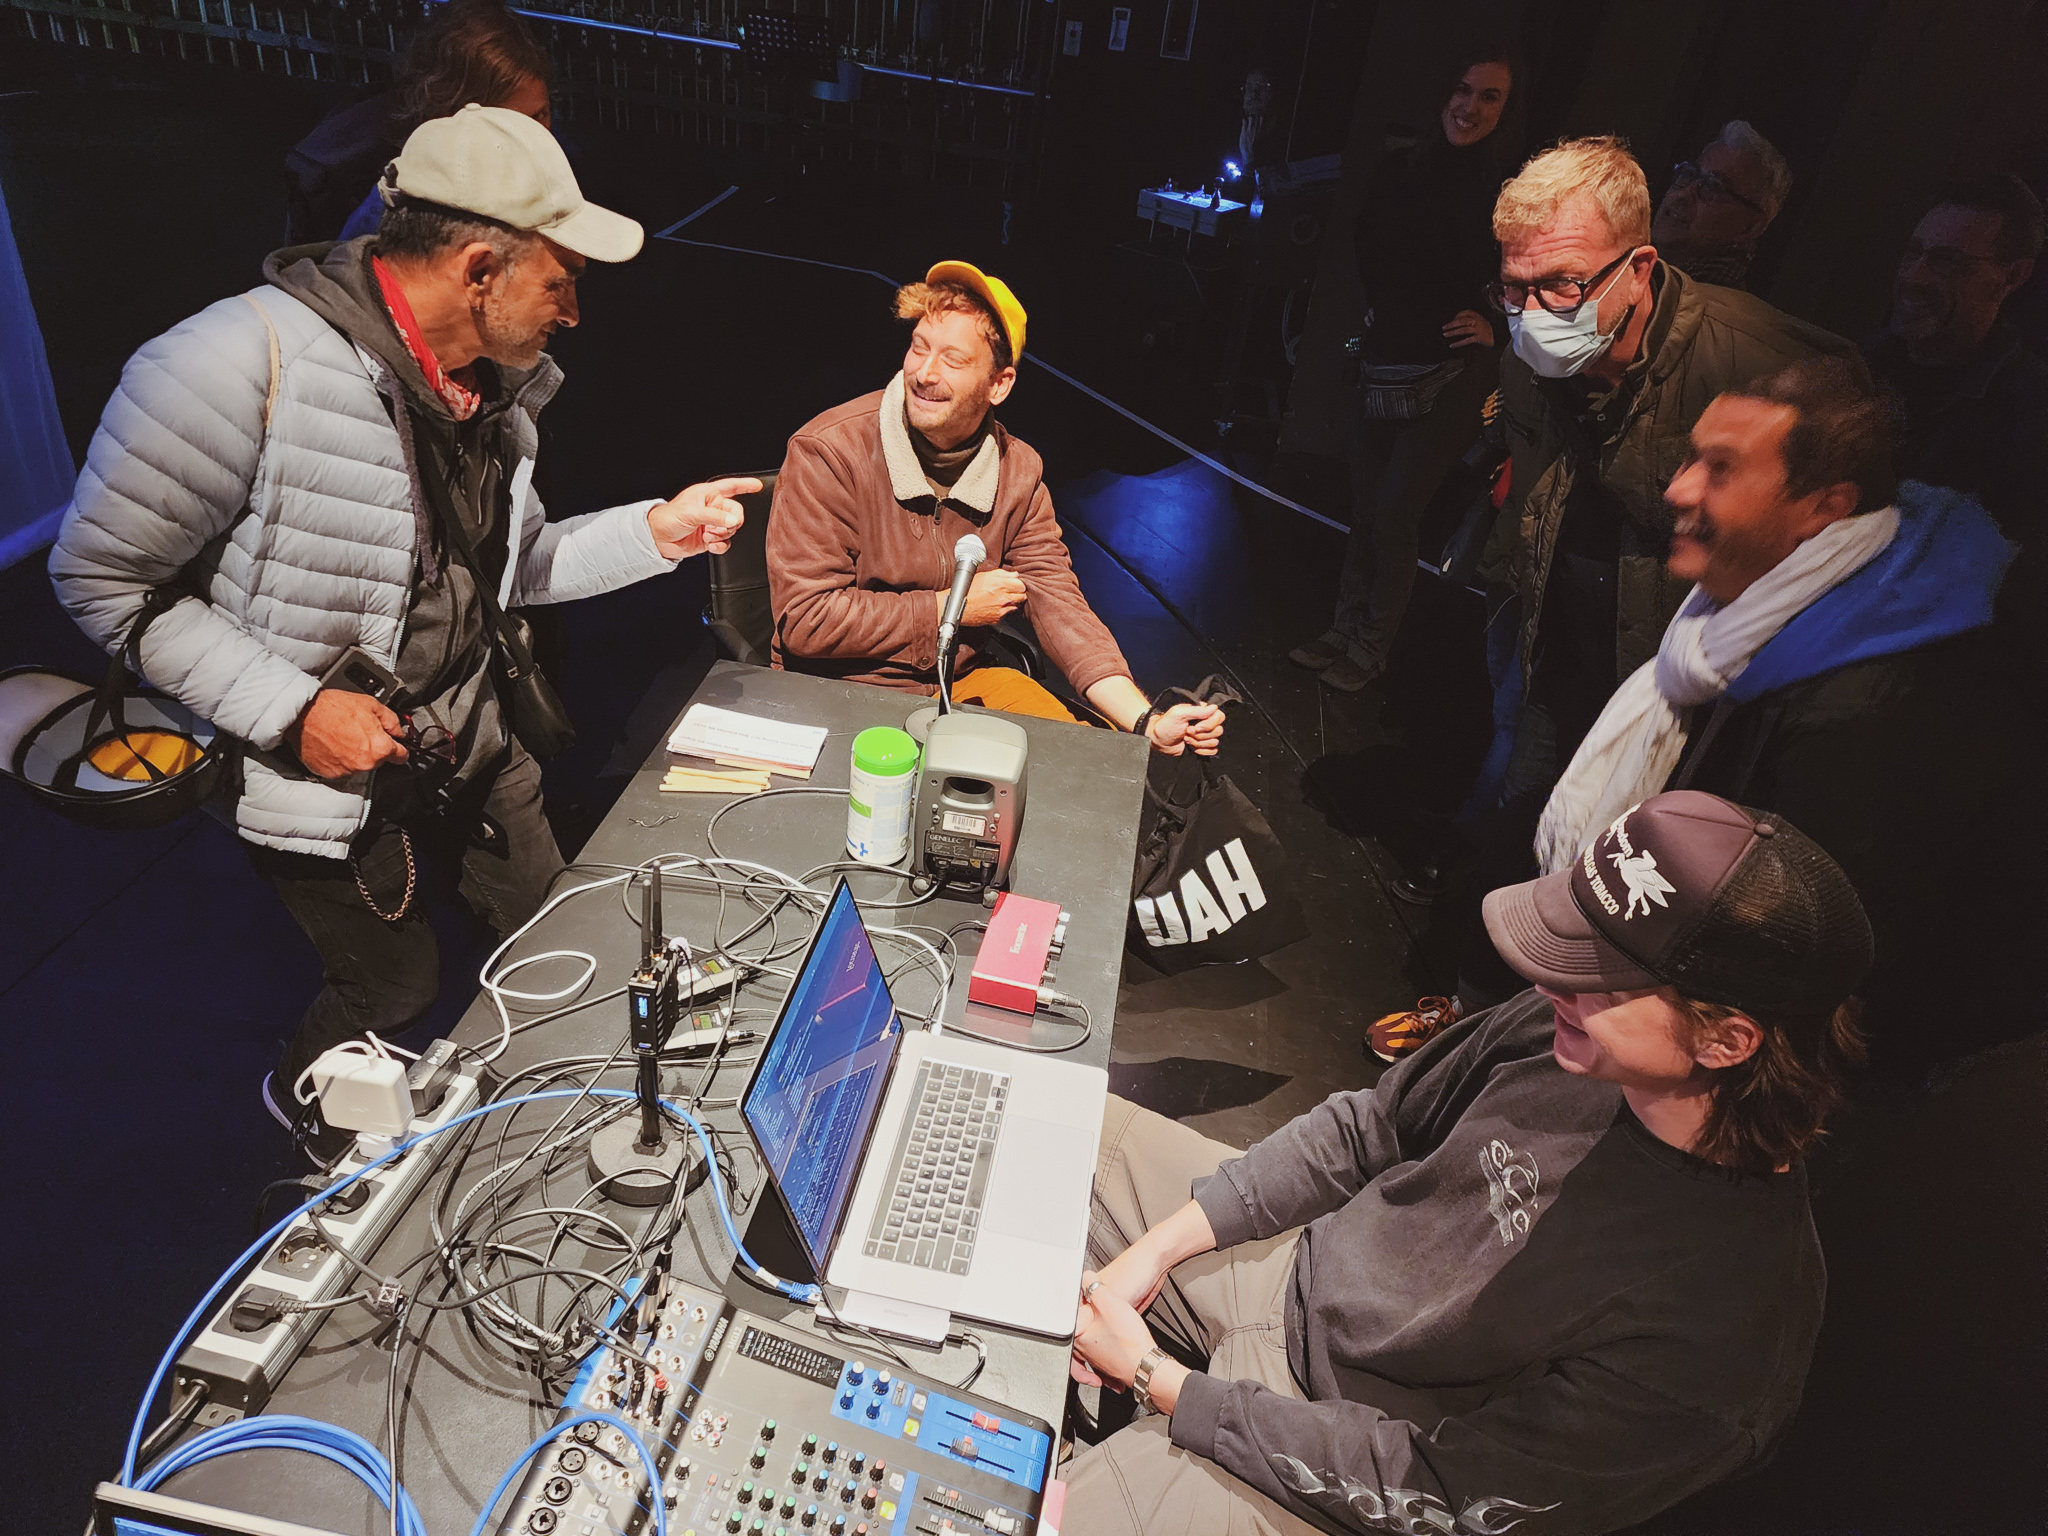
873 496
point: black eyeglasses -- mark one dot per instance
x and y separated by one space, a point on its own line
1944 261
1687 173
1559 295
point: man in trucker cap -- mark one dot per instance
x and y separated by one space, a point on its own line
293 461
1555 1272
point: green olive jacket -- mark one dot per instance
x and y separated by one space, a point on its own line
1702 341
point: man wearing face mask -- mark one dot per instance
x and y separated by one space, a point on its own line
1613 356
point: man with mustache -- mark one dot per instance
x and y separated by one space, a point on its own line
873 496
339 460
1973 399
1834 664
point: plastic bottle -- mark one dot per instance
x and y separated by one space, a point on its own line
879 799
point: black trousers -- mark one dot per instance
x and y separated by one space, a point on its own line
384 976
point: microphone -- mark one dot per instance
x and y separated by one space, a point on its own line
967 557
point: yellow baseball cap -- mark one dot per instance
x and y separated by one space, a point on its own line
996 292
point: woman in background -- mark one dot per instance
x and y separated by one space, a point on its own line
477 50
1425 250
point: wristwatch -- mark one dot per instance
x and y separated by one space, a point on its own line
1141 1378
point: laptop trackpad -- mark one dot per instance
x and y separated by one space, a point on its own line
1041 1184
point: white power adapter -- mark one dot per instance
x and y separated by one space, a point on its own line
360 1092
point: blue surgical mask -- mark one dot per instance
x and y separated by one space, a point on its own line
1558 346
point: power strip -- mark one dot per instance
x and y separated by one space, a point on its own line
239 1357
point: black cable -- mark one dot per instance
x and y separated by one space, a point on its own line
1087 1032
175 1423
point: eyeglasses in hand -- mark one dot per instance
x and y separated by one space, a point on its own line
1561 296
1712 188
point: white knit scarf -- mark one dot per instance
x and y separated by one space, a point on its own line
1640 735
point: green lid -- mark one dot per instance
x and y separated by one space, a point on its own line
884 750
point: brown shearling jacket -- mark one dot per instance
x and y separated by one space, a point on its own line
857 545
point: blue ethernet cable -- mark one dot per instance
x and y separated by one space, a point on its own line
248 1436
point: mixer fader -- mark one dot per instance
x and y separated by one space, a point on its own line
759 1432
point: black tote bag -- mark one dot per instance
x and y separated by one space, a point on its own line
1212 883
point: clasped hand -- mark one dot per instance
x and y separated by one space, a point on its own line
1110 1336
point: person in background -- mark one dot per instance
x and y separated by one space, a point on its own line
1554 1273
874 494
1834 664
474 51
1613 355
390 389
1719 206
1974 401
1425 253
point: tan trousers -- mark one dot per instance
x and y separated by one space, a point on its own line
1230 1306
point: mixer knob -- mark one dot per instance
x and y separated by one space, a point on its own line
856 1372
732 1523
867 1497
747 1492
820 1483
789 1507
810 1445
831 1450
759 1527
856 1462
881 1383
846 1493
879 1471
800 1471
874 1410
846 1399
810 1515
767 1431
839 1525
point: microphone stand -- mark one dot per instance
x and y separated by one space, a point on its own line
632 1161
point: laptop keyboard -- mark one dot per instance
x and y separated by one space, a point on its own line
939 1174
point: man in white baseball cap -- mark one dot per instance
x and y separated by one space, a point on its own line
388 389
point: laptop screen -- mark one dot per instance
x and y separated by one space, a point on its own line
822 1075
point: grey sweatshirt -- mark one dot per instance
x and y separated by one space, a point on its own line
1513 1306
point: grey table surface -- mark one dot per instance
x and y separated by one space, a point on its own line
471 1407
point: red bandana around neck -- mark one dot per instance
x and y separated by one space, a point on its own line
462 402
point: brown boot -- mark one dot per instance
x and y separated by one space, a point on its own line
1399 1034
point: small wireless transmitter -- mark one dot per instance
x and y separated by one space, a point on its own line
636 1160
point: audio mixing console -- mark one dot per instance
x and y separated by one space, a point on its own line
756 1431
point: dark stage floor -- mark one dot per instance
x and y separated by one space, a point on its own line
146 978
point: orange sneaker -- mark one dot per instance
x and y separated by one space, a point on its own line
1399 1034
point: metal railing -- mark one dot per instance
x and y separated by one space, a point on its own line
963 104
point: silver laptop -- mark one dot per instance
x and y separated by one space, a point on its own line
917 1167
